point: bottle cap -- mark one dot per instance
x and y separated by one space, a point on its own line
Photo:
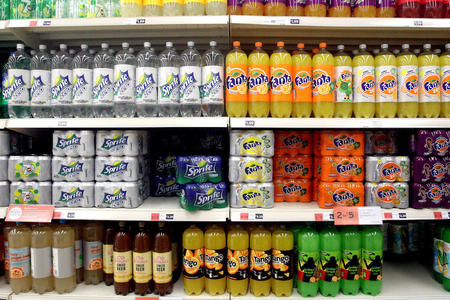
300 45
190 44
20 46
236 44
141 224
42 47
125 45
63 46
122 224
322 45
363 46
384 46
84 46
147 45
447 46
213 43
105 46
405 46
280 44
340 47
427 46
169 44
258 44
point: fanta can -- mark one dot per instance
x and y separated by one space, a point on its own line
282 262
293 190
280 83
343 73
323 83
237 263
215 260
429 84
236 85
260 261
363 84
445 82
342 143
258 83
408 81
291 166
193 261
342 168
293 142
301 64
333 194
386 82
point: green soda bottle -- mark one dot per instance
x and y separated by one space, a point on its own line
438 252
445 266
44 9
295 229
308 258
371 260
23 9
330 256
350 267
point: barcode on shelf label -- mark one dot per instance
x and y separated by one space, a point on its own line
417 23
162 217
249 123
140 21
251 216
446 215
64 215
62 124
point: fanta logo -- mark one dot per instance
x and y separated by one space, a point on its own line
172 82
346 168
118 141
435 193
257 77
321 82
388 84
61 84
74 195
343 141
251 195
446 85
438 170
251 143
210 196
116 196
431 84
187 84
203 167
346 75
411 84
292 141
213 82
115 168
391 170
37 86
236 81
15 84
368 85
288 189
70 140
146 85
387 194
169 188
303 80
102 82
343 195
72 168
441 144
253 168
293 167
280 81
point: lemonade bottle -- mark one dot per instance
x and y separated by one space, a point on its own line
234 7
386 82
194 7
19 239
215 260
260 261
363 84
308 260
258 83
445 82
172 7
237 264
131 8
253 8
408 79
236 82
275 8
282 262
315 8
193 261
340 8
216 7
280 83
302 74
323 83
344 83
152 8
365 9
429 84
41 258
64 258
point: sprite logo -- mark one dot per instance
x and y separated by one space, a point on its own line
118 141
72 168
187 84
37 86
75 195
16 84
79 85
145 86
213 82
203 167
172 82
101 84
61 87
169 188
117 167
205 198
123 80
116 196
70 140
169 163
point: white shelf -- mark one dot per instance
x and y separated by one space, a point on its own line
3 211
5 290
3 123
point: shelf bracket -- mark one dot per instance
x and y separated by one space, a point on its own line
29 39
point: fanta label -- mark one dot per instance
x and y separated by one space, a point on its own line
237 264
391 171
438 171
408 83
323 83
280 83
344 85
364 84
441 145
429 84
258 83
345 197
236 82
302 84
386 81
387 194
445 83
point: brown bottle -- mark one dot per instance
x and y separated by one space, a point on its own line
142 261
123 260
78 251
108 261
6 228
92 252
162 261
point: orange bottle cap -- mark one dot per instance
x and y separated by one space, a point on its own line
300 45
280 44
236 43
258 44
315 50
322 45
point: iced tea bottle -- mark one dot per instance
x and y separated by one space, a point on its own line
123 260
258 83
142 261
282 262
343 74
340 8
108 259
445 82
78 251
253 7
215 260
302 78
323 83
162 261
365 9
64 258
385 8
432 8
280 82
409 8
6 228
175 237
363 84
193 261
19 242
237 263
429 84
92 252
260 261
41 258
315 8
275 8
408 81
295 8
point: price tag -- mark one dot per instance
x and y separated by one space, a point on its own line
323 217
249 123
294 21
395 215
140 21
437 215
370 215
62 123
30 213
64 215
417 23
357 216
162 217
252 216
146 298
40 23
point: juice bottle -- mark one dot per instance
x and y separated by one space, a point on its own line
172 7
371 260
92 252
295 8
193 261
237 264
131 8
330 256
343 73
19 242
275 8
216 7
142 261
409 8
340 8
282 262
445 82
386 83
234 7
365 9
194 8
123 260
386 9
315 8
253 7
258 83
175 237
363 84
41 258
308 260
215 260
236 82
295 229
446 13
432 8
302 74
78 251
108 259
6 228
323 83
260 261
152 8
350 265
408 80
162 261
429 84
280 83
64 258
446 241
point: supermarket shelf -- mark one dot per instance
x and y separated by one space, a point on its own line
3 123
3 211
5 290
6 37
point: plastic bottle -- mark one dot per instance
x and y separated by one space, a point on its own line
162 261
18 92
445 82
101 9
172 7
295 229
19 240
125 83
408 80
216 7
234 7
429 84
236 82
275 8
308 261
64 258
343 74
302 80
82 83
6 229
215 260
78 251
350 265
41 78
446 241
323 83
131 8
260 261
237 263
446 13
194 7
340 8
103 83
363 84
92 252
315 8
123 260
253 7
330 256
193 261
142 261
169 82
295 8
146 82
371 260
258 83
212 82
386 8
280 82
4 98
152 8
438 246
282 262
409 8
386 83
41 258
365 9
61 9
432 8
62 79
108 258
190 74
175 236
5 11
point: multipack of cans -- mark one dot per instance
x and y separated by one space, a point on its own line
121 143
121 194
163 179
73 143
204 196
387 194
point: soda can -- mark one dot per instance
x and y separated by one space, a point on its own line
315 186
387 168
293 142
252 195
4 168
430 142
118 194
250 169
348 143
29 168
446 187
164 186
286 166
4 190
413 237
73 168
32 192
73 194
398 238
113 168
333 194
146 187
143 141
203 196
293 190
381 142
428 195
73 143
317 166
341 168
199 169
316 142
428 169
211 142
387 195
5 148
164 164
117 143
252 143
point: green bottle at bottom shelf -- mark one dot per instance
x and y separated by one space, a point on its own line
371 260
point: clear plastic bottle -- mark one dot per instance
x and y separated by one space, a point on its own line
194 7
61 8
41 78
131 8
152 8
173 7
146 82
386 84
103 88
408 79
212 82
190 74
18 92
19 239
64 258
41 258
125 83
4 100
82 83
169 82
344 89
216 7
62 83
72 53
92 252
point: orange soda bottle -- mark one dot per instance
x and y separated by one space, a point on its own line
237 264
258 83
282 262
316 8
280 83
301 64
253 7
193 261
236 82
295 8
275 8
234 7
365 9
386 9
323 83
339 8
215 260
260 261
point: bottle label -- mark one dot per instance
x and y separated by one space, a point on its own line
340 3
102 91
146 90
162 267
315 2
122 266
307 266
445 259
438 246
350 267
63 262
344 86
168 85
108 259
194 1
212 84
236 86
445 85
190 84
364 3
193 261
282 264
372 264
408 82
124 83
41 90
386 81
82 86
18 91
215 261
41 262
92 255
323 83
142 267
5 85
280 82
152 2
302 83
78 254
295 3
19 259
329 265
429 84
363 84
258 83
61 86
237 264
260 263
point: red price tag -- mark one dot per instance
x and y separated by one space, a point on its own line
388 216
155 217
438 215
30 213
346 216
318 217
244 216
146 298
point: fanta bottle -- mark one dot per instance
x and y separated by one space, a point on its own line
295 8
308 260
275 8
316 8
237 263
258 83
330 256
193 261
445 82
234 7
260 261
215 260
408 80
323 83
385 8
302 74
340 8
386 81
280 83
365 9
350 266
429 84
344 88
236 85
253 7
371 260
363 84
282 262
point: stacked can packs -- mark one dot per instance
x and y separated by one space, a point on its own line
5 150
251 168
430 168
163 179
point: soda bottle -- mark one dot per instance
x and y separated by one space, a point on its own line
258 83
43 9
295 8
350 264
162 261
82 83
80 8
429 84
62 83
371 260
18 92
108 258
194 8
103 88
330 256
175 236
216 7
100 9
131 8
215 260
275 8
340 8
211 90
445 82
41 258
234 7
142 261
169 82
41 78
282 262
6 228
446 13
386 83
115 8
64 258
19 242
438 248
253 7
237 263
190 74
308 260
4 91
146 82
172 7
385 8
315 8
78 251
295 229
193 261
92 252
260 261
432 8
343 73
236 82
280 82
125 83
408 79
302 74
363 84
152 8
323 83
365 9
446 242
61 9
123 260
409 8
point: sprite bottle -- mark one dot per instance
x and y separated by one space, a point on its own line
330 256
371 260
3 99
350 267
23 9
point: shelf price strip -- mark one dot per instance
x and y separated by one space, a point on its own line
30 213
252 216
162 217
323 217
159 298
395 216
357 216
